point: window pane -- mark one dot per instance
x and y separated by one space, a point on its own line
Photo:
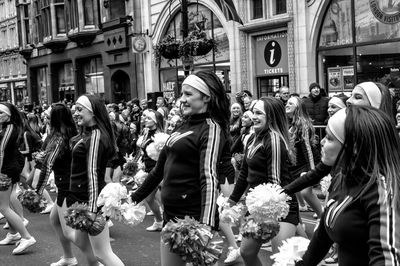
88 12
337 29
280 7
369 28
60 19
257 9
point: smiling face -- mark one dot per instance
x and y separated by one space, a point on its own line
330 148
259 117
83 116
358 97
332 109
246 120
291 106
192 101
235 110
315 91
149 123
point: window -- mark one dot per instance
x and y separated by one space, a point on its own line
2 11
256 9
72 14
88 12
11 38
93 73
117 9
46 18
59 16
37 33
279 7
26 23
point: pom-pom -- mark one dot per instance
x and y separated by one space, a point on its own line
5 182
132 214
140 177
232 215
192 241
291 250
325 184
153 150
79 217
110 199
262 231
131 166
32 201
267 201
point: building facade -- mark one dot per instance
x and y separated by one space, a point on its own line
13 86
74 47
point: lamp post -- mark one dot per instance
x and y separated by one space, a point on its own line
185 31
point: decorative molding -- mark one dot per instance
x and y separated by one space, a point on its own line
83 38
56 45
26 52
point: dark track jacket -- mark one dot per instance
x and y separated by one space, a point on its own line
188 164
11 160
89 160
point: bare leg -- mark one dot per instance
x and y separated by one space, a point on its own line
65 243
154 206
312 200
15 203
249 251
168 258
286 230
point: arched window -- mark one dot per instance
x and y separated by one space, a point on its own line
199 18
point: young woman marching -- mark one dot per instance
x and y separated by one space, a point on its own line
11 164
92 149
302 137
266 161
153 123
58 159
189 160
363 211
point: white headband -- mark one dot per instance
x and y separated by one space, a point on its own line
373 93
85 102
259 105
152 116
249 114
337 101
197 83
5 109
336 124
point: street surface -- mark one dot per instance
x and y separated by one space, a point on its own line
135 246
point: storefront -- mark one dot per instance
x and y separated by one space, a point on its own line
171 71
271 62
359 41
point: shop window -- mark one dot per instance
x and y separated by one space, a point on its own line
43 84
278 7
88 10
369 27
337 26
256 9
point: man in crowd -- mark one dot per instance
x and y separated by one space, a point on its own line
317 105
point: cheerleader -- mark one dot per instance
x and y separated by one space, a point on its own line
189 161
91 151
11 164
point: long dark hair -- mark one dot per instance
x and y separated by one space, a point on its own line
386 101
371 149
61 122
15 119
219 105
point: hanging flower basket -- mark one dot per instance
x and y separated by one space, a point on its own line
168 48
197 44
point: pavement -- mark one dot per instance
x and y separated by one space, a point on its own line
134 245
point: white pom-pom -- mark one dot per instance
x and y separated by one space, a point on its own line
325 184
140 177
133 214
266 201
110 199
291 250
153 150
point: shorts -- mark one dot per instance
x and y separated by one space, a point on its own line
294 216
61 196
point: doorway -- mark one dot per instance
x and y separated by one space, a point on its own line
267 86
120 84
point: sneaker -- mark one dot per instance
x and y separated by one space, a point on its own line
65 262
47 209
156 226
303 208
23 244
10 239
232 256
26 222
150 213
6 226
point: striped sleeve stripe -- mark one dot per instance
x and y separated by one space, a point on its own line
389 233
49 165
210 168
4 141
92 169
275 158
309 151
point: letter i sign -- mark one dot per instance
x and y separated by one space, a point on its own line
272 53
